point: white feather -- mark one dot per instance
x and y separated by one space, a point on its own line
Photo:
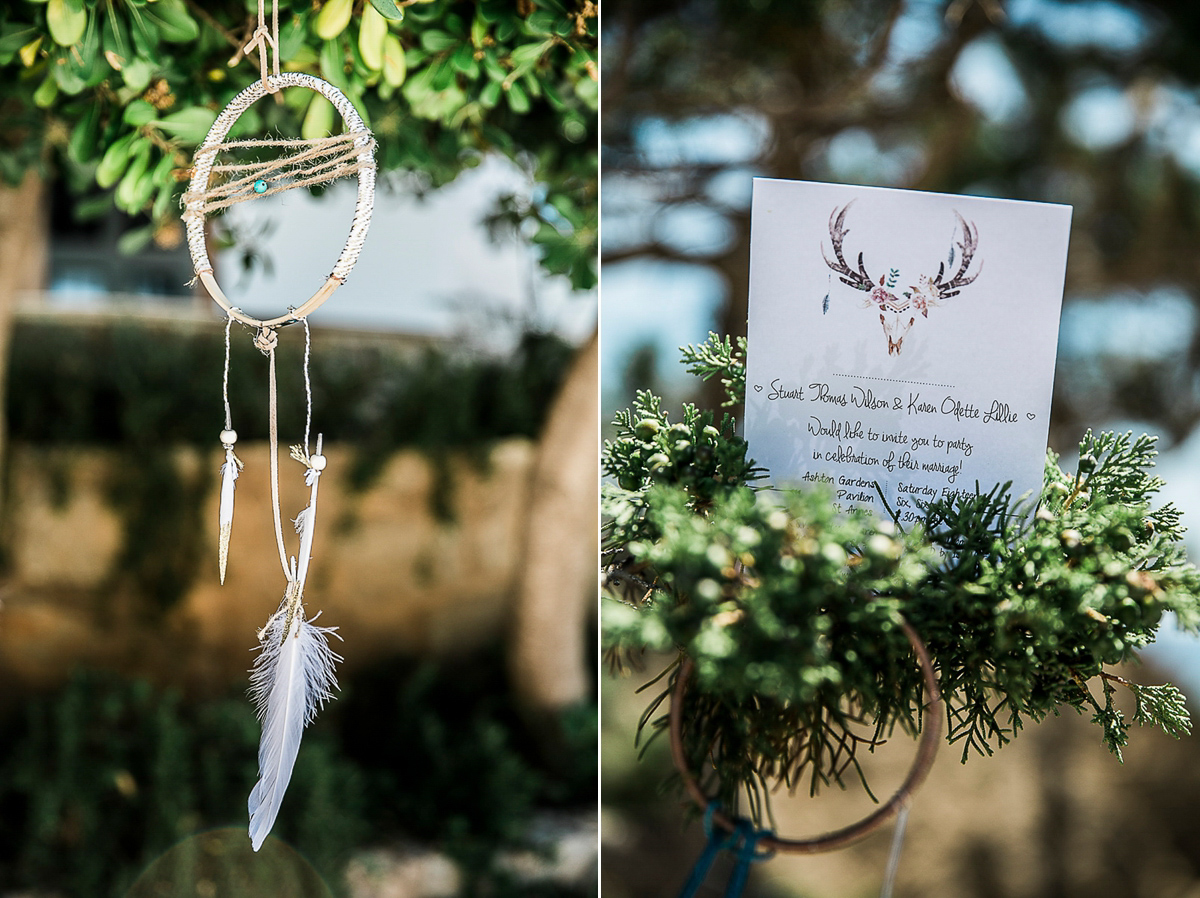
305 525
292 678
229 473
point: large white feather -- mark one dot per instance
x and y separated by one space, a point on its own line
292 678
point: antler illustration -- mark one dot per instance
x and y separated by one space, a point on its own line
859 280
967 247
897 314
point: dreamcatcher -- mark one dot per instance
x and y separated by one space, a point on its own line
293 675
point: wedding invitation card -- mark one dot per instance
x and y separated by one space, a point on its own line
901 338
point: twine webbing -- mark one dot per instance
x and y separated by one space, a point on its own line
339 157
280 141
314 148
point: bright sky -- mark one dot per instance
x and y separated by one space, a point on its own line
428 265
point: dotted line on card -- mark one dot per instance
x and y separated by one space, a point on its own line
919 383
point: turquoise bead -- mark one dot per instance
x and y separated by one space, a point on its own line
260 186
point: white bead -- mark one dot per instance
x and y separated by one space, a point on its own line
317 462
228 437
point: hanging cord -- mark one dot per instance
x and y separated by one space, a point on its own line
266 341
262 38
307 386
889 876
225 381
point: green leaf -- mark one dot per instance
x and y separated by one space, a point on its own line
318 121
129 190
490 95
115 40
66 75
162 202
47 92
66 21
135 241
188 125
506 30
333 18
292 42
137 74
463 61
540 23
81 65
145 35
14 38
528 54
388 9
28 53
162 171
479 29
518 100
113 163
82 144
442 74
372 31
139 113
394 66
173 21
333 65
436 41
92 207
141 191
492 66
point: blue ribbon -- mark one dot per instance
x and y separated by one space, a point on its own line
716 842
742 843
747 853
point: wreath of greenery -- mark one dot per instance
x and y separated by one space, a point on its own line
790 608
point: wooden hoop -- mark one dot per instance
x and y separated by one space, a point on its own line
931 736
202 169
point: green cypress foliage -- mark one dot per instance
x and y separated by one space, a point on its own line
790 609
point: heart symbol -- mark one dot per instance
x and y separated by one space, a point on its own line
758 388
1030 415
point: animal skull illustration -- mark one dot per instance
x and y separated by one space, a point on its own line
897 314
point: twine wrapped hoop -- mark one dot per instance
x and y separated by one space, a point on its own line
931 735
364 164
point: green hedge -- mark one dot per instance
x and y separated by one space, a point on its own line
140 385
103 776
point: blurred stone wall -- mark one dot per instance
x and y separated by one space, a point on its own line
391 574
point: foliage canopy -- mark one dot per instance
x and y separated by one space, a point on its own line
114 94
